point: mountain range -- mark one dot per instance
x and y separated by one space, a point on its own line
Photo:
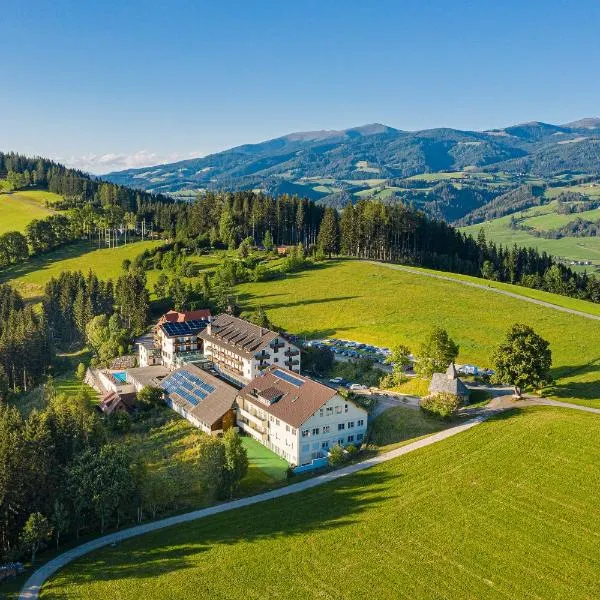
332 166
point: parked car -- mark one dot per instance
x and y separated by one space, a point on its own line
357 386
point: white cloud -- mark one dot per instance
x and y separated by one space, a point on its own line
104 163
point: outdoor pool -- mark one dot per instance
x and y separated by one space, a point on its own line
121 376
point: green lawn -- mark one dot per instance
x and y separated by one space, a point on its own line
30 278
398 425
18 209
375 304
507 509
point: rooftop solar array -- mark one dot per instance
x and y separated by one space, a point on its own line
190 387
185 328
288 377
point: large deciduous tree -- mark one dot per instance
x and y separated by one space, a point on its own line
523 359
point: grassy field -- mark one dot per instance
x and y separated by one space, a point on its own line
544 218
475 516
30 278
375 304
18 209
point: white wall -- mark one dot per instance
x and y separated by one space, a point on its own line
323 431
323 428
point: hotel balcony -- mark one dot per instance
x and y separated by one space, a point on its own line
258 422
256 431
277 345
291 353
262 355
291 363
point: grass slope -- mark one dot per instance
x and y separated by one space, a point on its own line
505 510
374 304
30 278
18 209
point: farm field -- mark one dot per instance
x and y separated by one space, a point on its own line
544 218
30 278
374 304
474 516
18 209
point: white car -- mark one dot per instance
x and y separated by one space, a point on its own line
335 380
358 386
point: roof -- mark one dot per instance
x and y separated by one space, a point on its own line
177 328
202 314
150 375
293 403
239 336
201 394
448 382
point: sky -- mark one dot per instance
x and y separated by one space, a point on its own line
111 85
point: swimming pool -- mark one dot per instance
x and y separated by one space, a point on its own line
120 376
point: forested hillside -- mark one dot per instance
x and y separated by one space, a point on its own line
334 167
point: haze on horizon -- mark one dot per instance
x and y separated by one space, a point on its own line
133 84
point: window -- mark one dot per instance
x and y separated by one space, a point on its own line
305 433
359 437
315 431
341 426
350 424
275 359
287 427
326 429
322 412
350 438
277 422
345 408
338 409
360 423
271 419
329 410
325 445
341 442
294 432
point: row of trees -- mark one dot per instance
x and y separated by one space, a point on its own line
25 350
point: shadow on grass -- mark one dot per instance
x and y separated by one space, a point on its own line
588 390
327 507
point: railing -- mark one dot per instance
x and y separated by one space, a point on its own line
277 345
252 416
262 356
291 353
255 433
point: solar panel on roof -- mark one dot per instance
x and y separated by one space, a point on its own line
185 328
288 377
188 386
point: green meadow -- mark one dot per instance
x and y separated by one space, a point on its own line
375 304
30 278
504 510
18 209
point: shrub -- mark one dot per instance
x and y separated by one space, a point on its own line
351 451
336 456
443 405
119 422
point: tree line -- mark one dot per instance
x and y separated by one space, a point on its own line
64 473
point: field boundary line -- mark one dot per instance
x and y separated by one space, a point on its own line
481 286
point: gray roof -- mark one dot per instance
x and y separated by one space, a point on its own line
239 336
448 383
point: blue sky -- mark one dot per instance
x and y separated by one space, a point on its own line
105 85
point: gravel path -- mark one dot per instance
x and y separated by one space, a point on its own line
488 288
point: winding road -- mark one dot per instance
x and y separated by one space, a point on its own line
32 586
488 288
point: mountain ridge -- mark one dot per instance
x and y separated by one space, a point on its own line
329 165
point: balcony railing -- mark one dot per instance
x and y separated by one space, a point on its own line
262 355
291 353
276 345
